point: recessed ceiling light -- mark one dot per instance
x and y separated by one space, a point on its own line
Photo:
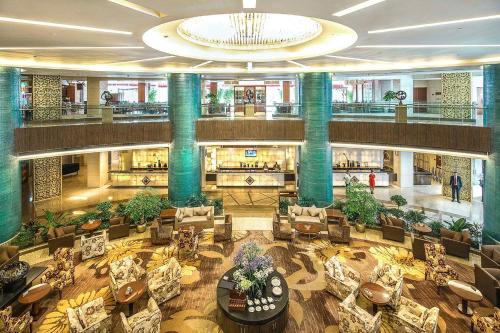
427 25
63 26
202 64
70 47
141 60
357 7
249 4
139 8
297 63
423 46
351 58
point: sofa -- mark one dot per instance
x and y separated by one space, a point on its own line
456 243
195 216
487 280
490 256
339 233
224 231
341 280
391 278
62 273
124 271
353 318
392 228
164 282
89 318
160 234
418 247
93 245
485 324
118 228
436 268
10 324
281 230
298 214
145 321
8 254
61 237
413 317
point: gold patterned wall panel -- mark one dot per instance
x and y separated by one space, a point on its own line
463 166
456 90
47 96
47 178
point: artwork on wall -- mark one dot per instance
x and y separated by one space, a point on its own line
463 166
47 178
47 96
456 91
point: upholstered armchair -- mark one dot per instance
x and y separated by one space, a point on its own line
413 317
164 282
122 272
392 228
436 268
490 256
62 273
224 231
9 324
485 324
281 230
93 245
339 233
160 234
187 242
341 280
146 321
90 317
352 318
391 278
118 228
61 237
8 254
456 243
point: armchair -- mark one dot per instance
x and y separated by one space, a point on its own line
417 246
118 228
164 282
63 273
8 254
487 280
413 317
90 317
340 233
490 256
436 268
146 321
352 318
9 324
281 230
187 243
456 243
61 237
485 324
392 228
122 272
160 234
391 278
341 280
93 245
224 231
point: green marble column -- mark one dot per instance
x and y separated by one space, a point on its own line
10 172
315 175
491 212
184 171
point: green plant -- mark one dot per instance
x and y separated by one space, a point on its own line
55 220
395 212
361 205
143 207
414 216
152 95
476 231
399 200
218 206
283 206
82 219
166 203
25 237
458 225
338 204
389 95
104 209
197 200
212 98
120 209
436 228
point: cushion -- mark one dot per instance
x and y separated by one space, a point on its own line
388 221
91 313
51 234
496 255
285 228
303 218
445 233
4 257
198 211
313 211
397 222
338 270
115 221
488 250
297 210
382 218
194 219
495 272
457 236
466 237
206 210
59 232
188 212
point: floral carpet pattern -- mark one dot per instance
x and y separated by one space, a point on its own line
311 309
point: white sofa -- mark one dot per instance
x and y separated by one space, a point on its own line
298 214
195 216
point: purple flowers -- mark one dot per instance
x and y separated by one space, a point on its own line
252 268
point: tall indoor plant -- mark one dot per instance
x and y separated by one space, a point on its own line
361 206
143 207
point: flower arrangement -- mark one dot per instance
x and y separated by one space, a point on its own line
252 269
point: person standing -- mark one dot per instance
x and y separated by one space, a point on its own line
371 181
347 180
456 186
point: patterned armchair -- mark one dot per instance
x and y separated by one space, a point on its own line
187 243
391 278
90 317
63 273
93 245
9 324
122 272
436 268
146 321
414 317
164 282
341 280
352 318
485 324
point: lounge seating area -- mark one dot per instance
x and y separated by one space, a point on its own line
194 216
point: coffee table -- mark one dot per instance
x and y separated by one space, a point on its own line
9 296
138 289
376 294
33 296
422 229
311 230
467 293
91 226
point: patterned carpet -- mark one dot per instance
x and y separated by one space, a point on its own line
311 308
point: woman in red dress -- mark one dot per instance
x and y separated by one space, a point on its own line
371 181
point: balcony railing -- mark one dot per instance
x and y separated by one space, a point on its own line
277 110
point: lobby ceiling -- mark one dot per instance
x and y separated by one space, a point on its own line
109 36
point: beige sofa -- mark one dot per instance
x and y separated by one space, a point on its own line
298 214
195 216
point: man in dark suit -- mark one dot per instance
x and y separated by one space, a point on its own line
456 185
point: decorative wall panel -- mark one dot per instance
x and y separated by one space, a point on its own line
47 174
315 173
463 166
456 90
10 171
47 97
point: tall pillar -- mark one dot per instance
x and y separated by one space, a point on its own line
93 96
10 171
184 172
491 198
315 176
97 169
403 166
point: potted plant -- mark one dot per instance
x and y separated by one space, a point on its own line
414 216
399 200
283 206
142 208
212 104
361 207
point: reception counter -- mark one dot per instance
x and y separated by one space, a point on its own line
382 177
132 178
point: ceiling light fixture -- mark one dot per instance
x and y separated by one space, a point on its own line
424 46
428 25
139 8
202 64
14 48
357 59
249 4
62 26
357 7
249 65
297 63
141 60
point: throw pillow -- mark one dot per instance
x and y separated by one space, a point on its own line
51 234
4 257
388 221
115 221
445 233
314 212
383 218
297 210
198 211
59 232
206 210
495 272
466 237
188 212
488 250
457 236
496 255
397 222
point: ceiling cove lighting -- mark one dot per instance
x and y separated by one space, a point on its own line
351 58
424 46
139 8
435 24
357 7
297 64
141 60
203 64
250 143
62 26
249 4
14 48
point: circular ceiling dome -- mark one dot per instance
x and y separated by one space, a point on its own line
249 31
250 37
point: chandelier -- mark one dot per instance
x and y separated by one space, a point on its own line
249 31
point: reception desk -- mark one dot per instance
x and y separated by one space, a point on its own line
382 177
151 178
253 179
